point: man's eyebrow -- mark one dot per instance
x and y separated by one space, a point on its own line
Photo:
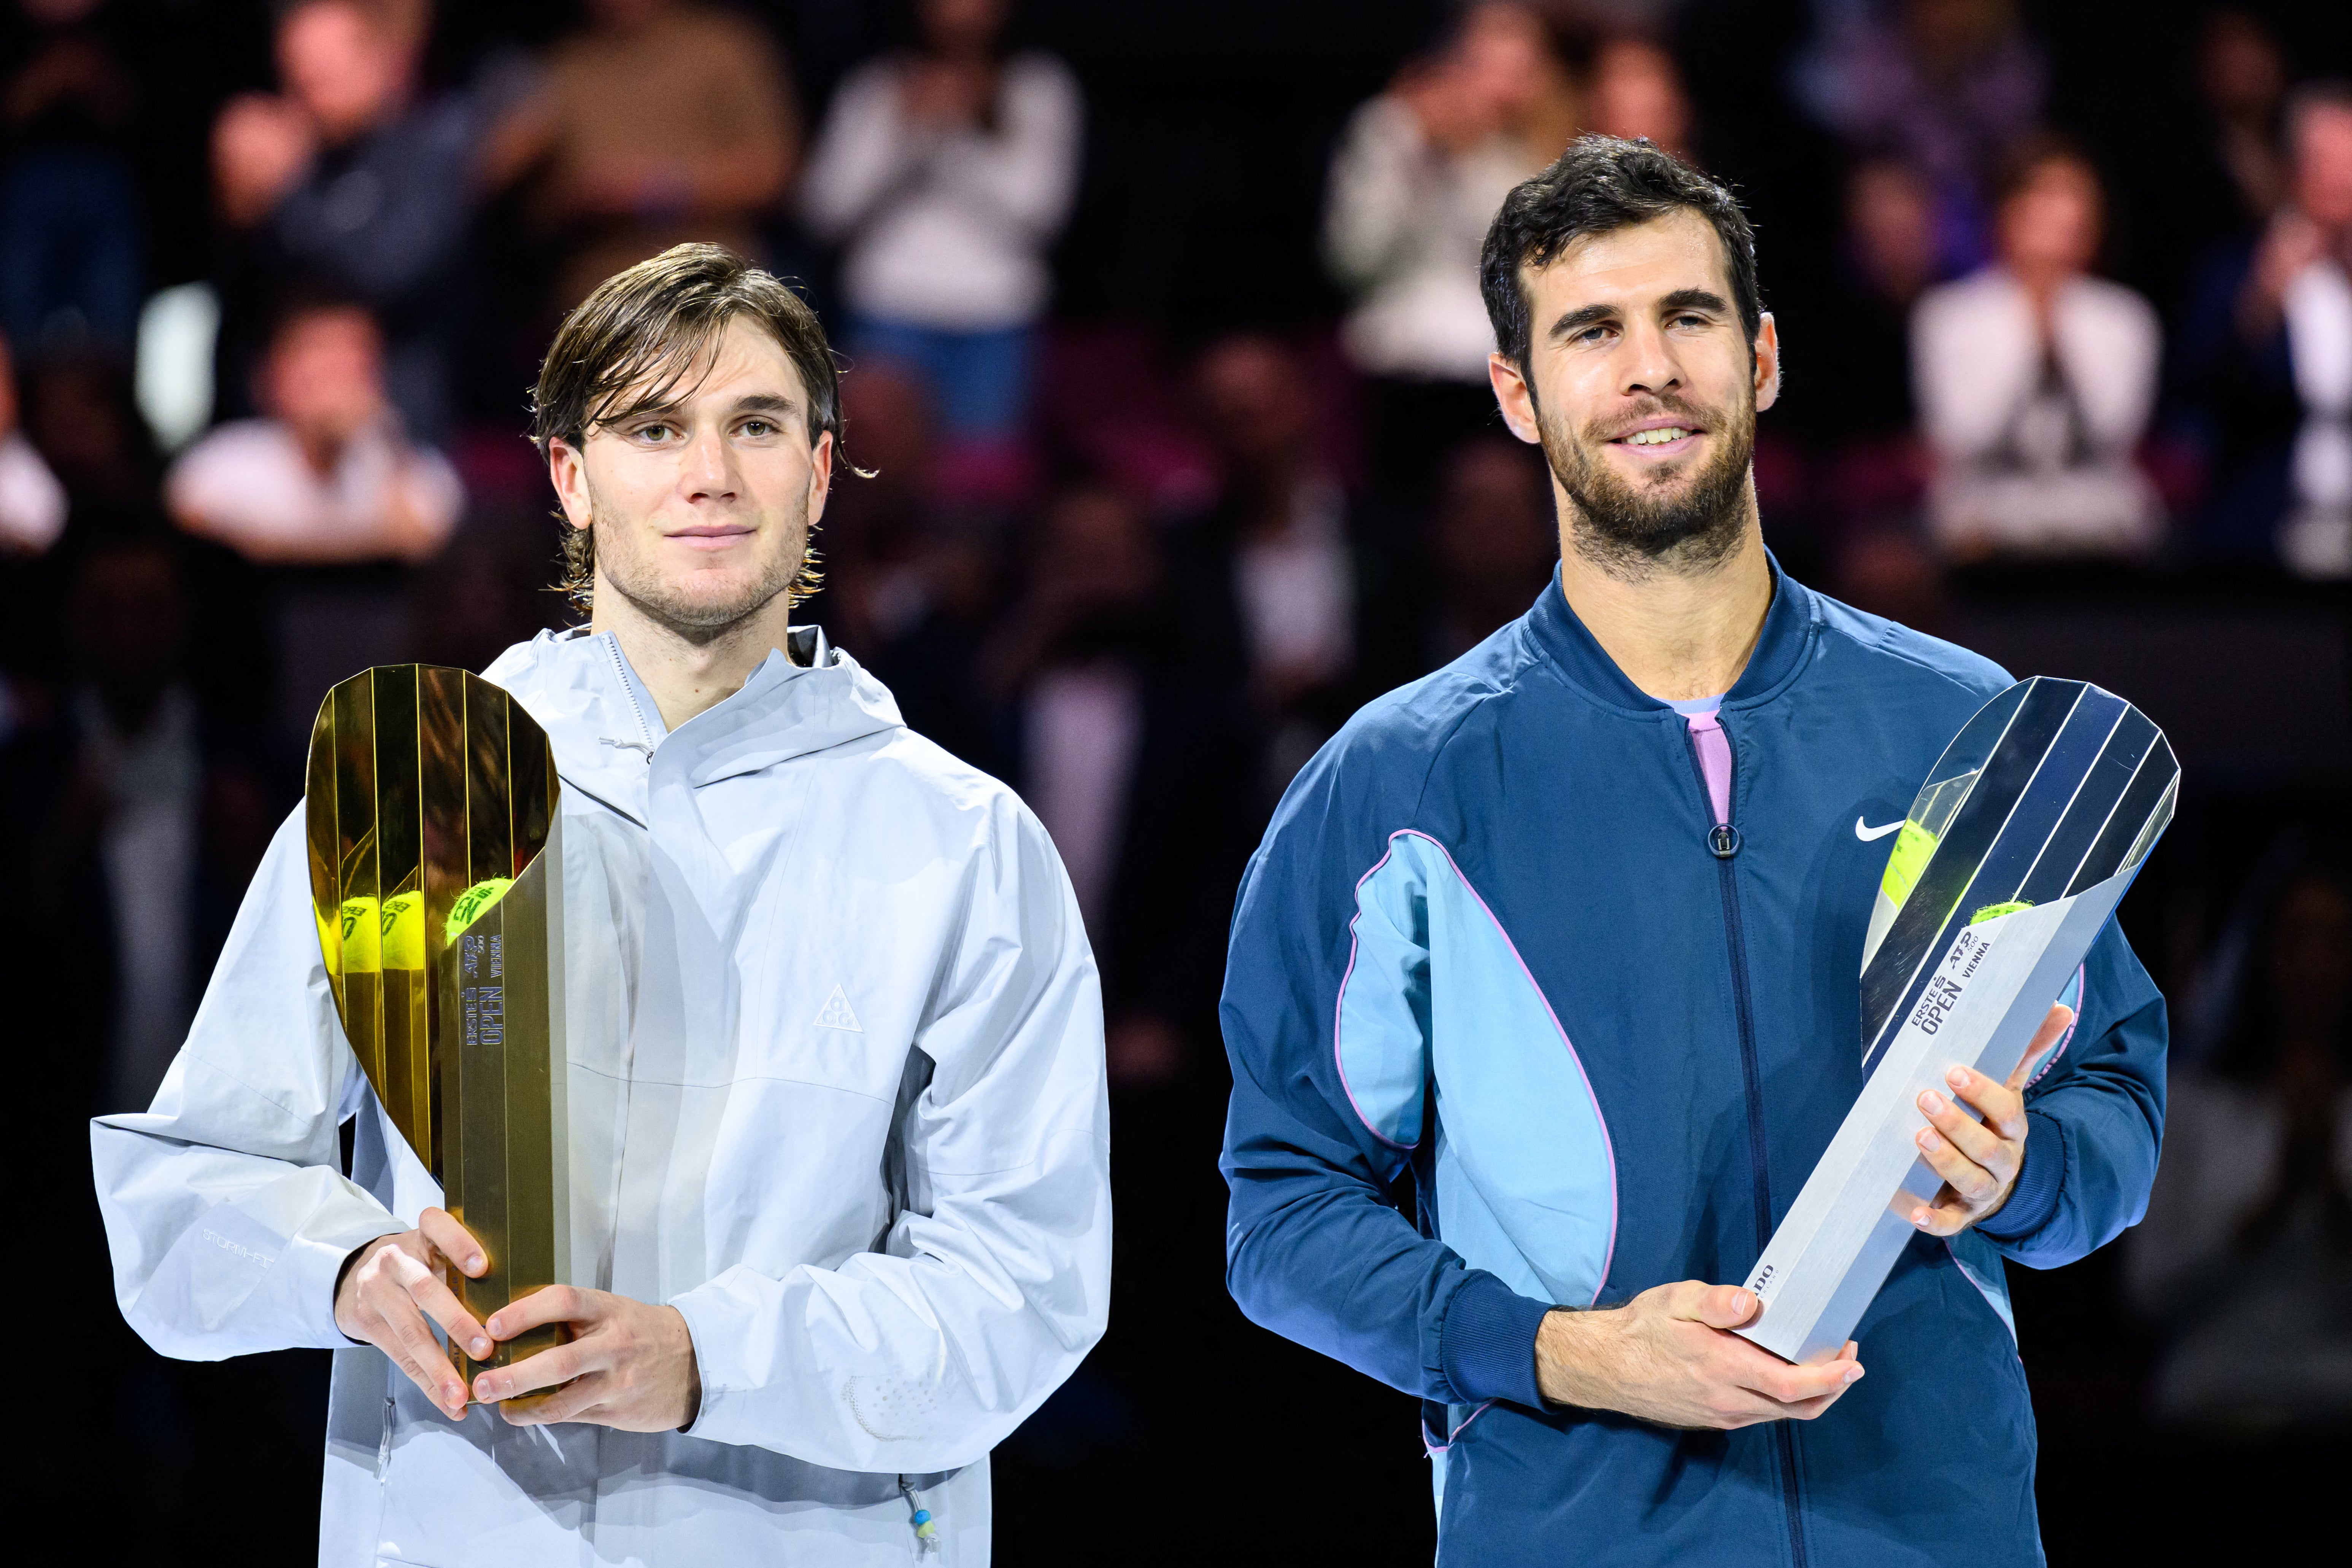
670 408
1694 299
1576 320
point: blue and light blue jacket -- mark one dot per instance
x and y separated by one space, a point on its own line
1486 961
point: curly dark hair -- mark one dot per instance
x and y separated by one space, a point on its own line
1601 183
643 332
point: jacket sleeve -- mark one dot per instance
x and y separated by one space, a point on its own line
2094 1121
1315 1247
226 1210
993 1281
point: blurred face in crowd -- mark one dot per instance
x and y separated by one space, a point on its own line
1891 229
1254 402
1496 544
1643 388
2239 69
962 26
1098 553
703 501
2323 165
324 377
127 619
625 14
2048 227
1637 93
340 67
1949 34
1500 59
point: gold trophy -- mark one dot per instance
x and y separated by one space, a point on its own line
436 878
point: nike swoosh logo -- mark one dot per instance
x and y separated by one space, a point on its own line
1867 834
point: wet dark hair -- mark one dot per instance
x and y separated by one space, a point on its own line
642 336
1601 183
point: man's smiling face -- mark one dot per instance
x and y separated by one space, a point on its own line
1644 391
702 501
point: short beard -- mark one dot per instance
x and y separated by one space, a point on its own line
1632 535
693 619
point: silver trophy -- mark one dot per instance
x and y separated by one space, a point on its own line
2013 857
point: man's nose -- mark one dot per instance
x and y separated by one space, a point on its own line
710 468
1650 364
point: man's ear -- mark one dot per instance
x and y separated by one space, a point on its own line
819 476
1516 397
568 472
1767 363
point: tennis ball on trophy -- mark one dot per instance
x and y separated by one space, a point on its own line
1994 911
404 931
469 904
362 936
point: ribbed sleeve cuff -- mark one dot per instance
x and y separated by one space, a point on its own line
2035 1197
1486 1346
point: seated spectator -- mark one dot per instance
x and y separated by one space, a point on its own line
2242 77
349 181
2245 1257
2035 381
2269 358
1864 422
82 416
1130 756
68 224
945 174
1418 174
32 502
1271 567
1637 91
1948 86
1495 545
327 475
663 122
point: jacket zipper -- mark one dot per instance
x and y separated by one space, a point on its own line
1723 840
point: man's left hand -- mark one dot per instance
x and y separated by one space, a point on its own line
1979 1159
628 1365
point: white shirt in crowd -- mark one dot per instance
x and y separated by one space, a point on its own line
1297 589
948 228
835 1094
1404 226
248 486
2317 538
32 502
1084 728
2034 445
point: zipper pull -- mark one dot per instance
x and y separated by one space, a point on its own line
926 1529
1712 749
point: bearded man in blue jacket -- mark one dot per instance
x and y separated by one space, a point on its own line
1565 939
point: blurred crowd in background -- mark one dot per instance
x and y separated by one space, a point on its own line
1167 385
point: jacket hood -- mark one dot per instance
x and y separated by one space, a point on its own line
605 728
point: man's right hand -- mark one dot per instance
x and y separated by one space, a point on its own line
1667 1357
391 1287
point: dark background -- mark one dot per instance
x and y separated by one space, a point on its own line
1209 127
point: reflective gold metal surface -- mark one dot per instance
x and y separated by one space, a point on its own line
433 804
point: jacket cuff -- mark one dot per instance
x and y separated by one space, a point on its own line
2035 1198
1486 1345
317 1264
